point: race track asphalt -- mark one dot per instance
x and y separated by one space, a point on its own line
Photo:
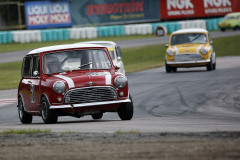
190 100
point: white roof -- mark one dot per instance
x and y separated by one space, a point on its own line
62 47
98 42
191 30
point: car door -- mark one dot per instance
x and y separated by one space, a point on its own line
25 82
34 84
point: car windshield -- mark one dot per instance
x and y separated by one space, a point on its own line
189 38
75 60
229 17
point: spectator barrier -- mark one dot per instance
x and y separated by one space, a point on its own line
44 35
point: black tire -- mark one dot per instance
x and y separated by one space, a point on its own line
125 111
97 116
168 68
210 65
174 69
223 29
214 65
24 117
236 28
49 116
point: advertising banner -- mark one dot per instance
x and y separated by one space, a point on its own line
97 12
45 14
177 9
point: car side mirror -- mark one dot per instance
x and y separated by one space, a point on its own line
211 42
119 58
36 73
117 66
166 45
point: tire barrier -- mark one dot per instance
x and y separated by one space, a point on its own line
141 29
44 35
27 36
6 37
193 24
82 33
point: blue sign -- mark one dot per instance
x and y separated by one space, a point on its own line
45 14
99 12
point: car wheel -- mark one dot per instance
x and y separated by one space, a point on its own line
125 111
97 116
24 117
210 65
236 28
214 65
222 29
174 69
49 116
168 68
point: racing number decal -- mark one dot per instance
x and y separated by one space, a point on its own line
32 93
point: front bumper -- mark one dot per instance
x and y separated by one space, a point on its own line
189 62
88 104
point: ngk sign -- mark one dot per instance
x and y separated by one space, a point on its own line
180 7
177 9
46 14
217 6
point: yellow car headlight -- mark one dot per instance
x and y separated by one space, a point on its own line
204 51
170 52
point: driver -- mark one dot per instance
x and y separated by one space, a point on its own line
54 66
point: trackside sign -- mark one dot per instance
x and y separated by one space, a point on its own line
177 9
47 14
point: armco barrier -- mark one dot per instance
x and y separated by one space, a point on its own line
27 36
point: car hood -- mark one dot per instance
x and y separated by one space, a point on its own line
77 79
188 48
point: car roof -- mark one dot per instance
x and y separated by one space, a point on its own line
63 47
191 30
98 42
233 14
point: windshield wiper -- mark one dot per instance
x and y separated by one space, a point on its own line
85 65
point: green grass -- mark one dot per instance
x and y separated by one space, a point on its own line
24 131
127 132
135 59
28 46
141 58
10 75
227 46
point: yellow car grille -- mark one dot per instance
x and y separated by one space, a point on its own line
187 57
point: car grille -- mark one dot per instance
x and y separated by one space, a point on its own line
187 57
90 94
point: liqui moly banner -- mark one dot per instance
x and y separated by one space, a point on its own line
45 14
177 9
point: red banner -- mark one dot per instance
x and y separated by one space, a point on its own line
177 9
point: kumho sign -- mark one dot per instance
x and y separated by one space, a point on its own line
46 14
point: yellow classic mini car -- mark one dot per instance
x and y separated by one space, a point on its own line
190 48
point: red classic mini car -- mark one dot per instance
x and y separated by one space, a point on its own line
72 80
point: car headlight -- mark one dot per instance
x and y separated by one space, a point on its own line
204 51
170 52
120 81
59 87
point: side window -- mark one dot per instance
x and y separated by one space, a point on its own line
26 66
119 52
36 64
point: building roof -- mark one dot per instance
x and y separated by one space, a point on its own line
191 30
63 47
